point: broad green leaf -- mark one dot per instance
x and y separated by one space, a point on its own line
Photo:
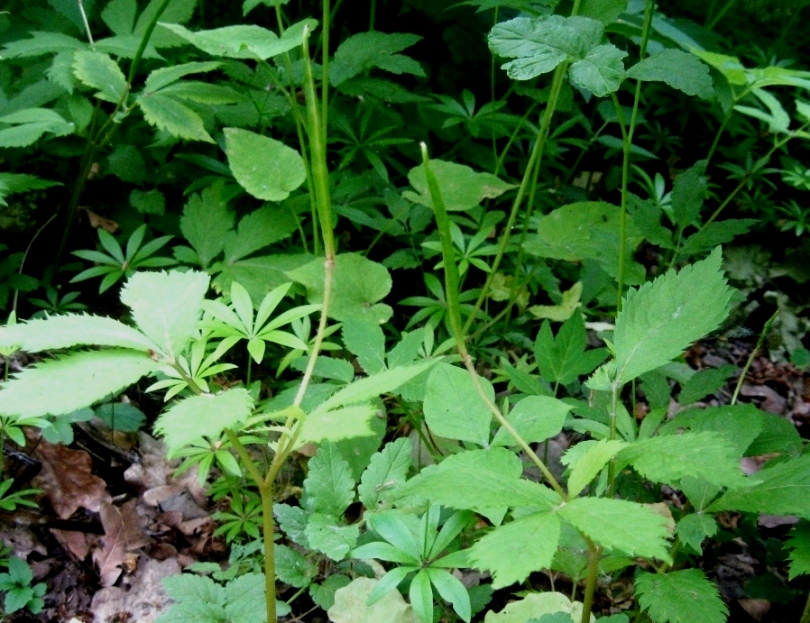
779 436
739 424
386 470
71 382
329 486
205 222
292 567
366 50
166 306
680 597
259 275
628 527
512 551
783 489
454 409
799 546
461 187
121 416
536 605
366 341
99 71
564 359
715 234
163 77
175 12
293 522
601 71
72 330
452 590
166 113
590 462
485 481
15 183
680 70
323 594
688 193
326 534
560 313
190 587
661 318
345 423
704 383
263 166
535 418
668 458
351 605
30 124
41 43
257 230
244 599
205 415
119 15
606 11
358 284
693 529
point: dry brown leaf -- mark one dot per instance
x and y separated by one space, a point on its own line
68 480
122 534
99 222
77 543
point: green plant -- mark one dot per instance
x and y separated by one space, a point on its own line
16 583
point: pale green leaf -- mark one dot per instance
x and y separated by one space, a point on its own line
166 306
166 113
366 341
590 462
628 527
292 567
740 424
351 605
535 418
190 587
268 169
685 596
163 77
799 546
510 556
536 605
100 71
71 382
329 486
205 415
257 230
462 188
119 15
566 309
661 318
601 71
386 470
244 599
72 330
453 407
345 423
606 11
326 534
678 69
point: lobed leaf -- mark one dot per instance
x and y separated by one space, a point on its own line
680 597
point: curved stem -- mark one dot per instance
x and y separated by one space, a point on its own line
765 330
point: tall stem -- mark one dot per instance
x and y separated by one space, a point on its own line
594 558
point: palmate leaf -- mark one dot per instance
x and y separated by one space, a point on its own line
205 415
684 596
365 50
662 317
71 382
205 222
564 359
799 546
513 551
72 330
678 69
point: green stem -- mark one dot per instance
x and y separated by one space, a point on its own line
720 14
806 612
765 330
147 35
614 408
325 67
595 556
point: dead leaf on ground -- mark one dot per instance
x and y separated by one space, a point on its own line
122 534
77 543
145 599
68 480
99 222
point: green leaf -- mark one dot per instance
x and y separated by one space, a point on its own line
564 359
100 71
351 605
601 71
453 408
148 202
345 423
668 458
714 234
203 416
625 526
41 43
693 529
119 15
661 318
71 382
590 462
704 383
121 416
293 522
72 330
536 605
327 535
329 486
680 597
366 341
688 193
259 229
366 50
740 424
799 546
357 286
166 306
205 222
451 589
779 435
510 556
244 599
535 418
292 567
324 594
783 489
175 12
461 187
166 113
568 305
163 77
606 11
30 124
263 166
678 69
386 470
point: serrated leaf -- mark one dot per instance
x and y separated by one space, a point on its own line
714 234
343 423
535 605
740 424
386 470
688 193
358 284
783 489
621 525
99 71
704 383
366 341
366 50
693 529
662 317
268 169
292 567
678 69
166 306
293 522
590 462
327 535
72 330
535 418
682 596
324 594
462 188
41 43
166 113
564 359
510 556
257 230
799 546
454 409
71 382
668 458
601 71
194 588
329 486
244 599
119 15
30 124
203 416
205 222
163 77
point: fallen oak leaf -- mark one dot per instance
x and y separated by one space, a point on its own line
68 480
122 535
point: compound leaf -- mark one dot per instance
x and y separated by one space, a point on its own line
100 71
329 486
168 114
680 597
72 330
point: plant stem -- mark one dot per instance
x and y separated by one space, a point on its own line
720 14
765 330
594 558
806 612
